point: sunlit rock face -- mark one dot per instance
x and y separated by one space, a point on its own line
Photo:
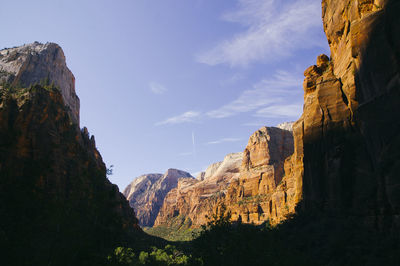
147 192
44 64
190 202
348 133
256 185
343 158
265 190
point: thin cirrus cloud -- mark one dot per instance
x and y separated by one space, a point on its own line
274 30
277 111
270 97
189 116
223 141
275 91
157 88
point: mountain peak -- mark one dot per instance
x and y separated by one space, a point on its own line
37 63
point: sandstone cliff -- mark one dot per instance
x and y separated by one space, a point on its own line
56 203
266 187
38 63
147 192
189 203
256 186
348 134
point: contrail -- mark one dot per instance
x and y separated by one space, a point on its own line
194 144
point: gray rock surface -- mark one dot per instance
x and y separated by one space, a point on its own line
286 126
40 63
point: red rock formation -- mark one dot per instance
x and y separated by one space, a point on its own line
264 190
146 193
190 202
348 132
256 185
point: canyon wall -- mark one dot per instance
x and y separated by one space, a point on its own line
256 185
350 125
344 158
188 204
147 192
56 203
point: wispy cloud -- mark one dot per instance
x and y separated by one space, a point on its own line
276 111
275 29
223 141
157 88
270 97
265 93
189 116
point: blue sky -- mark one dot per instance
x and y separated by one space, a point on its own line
178 83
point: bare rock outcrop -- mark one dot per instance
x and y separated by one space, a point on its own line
190 202
44 64
147 192
265 189
256 186
348 133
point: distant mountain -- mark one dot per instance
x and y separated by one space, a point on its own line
255 185
192 200
146 193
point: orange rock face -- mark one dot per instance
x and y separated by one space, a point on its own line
262 191
256 185
351 111
192 200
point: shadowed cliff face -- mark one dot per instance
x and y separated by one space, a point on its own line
350 126
345 159
56 204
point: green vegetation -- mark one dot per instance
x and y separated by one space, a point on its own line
166 256
177 229
257 199
171 234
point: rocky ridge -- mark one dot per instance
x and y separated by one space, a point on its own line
256 186
189 203
147 192
44 64
64 203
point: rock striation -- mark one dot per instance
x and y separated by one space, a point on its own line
341 157
147 192
348 132
256 185
265 190
188 204
43 64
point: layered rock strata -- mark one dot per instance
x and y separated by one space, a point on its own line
256 186
147 192
350 124
190 202
265 190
